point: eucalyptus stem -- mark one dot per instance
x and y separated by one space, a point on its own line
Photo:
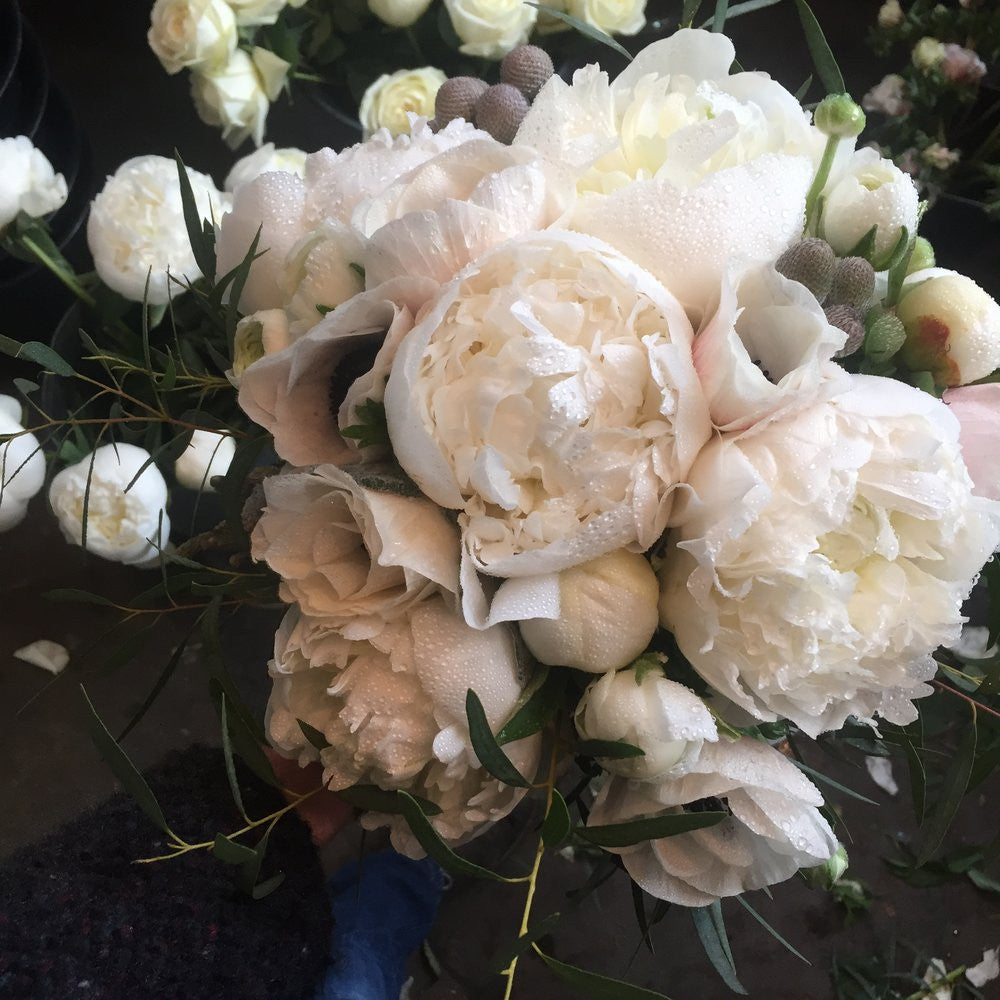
67 279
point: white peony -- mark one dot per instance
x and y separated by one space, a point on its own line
390 101
237 95
550 395
679 165
353 555
614 17
869 191
189 34
664 719
398 13
136 228
826 558
123 525
265 160
491 28
27 181
393 711
208 454
22 465
774 826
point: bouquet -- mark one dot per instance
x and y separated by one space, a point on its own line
612 465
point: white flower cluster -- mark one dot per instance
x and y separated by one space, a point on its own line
27 181
609 366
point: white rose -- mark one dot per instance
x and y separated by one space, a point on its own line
890 14
828 556
22 465
237 96
607 615
614 17
679 165
136 228
355 556
491 28
664 719
550 395
250 13
208 454
870 191
265 160
192 33
398 13
260 333
27 181
393 97
128 527
952 327
393 711
773 829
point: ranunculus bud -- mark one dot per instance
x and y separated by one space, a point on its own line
885 337
928 54
850 320
664 719
952 328
527 67
398 13
457 99
853 283
208 454
922 256
839 115
393 97
500 111
607 615
22 465
810 262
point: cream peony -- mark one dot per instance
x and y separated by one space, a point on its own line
679 165
353 555
124 525
398 13
664 719
393 711
237 95
190 34
390 101
826 558
491 28
22 465
869 191
773 829
614 17
208 454
265 160
550 395
136 228
27 181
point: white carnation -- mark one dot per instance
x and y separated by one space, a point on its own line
828 556
773 829
27 181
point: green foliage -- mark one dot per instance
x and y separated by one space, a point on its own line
371 429
711 928
822 56
493 759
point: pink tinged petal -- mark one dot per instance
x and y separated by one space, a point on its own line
978 410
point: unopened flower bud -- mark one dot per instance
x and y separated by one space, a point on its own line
826 875
811 263
607 615
500 111
853 283
457 99
952 328
885 337
922 256
839 115
527 67
848 319
928 54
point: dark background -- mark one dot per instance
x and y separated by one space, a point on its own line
126 105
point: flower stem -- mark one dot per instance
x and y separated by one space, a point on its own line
931 989
819 181
69 280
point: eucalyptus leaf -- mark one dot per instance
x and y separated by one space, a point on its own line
650 828
541 704
232 852
43 355
502 959
770 930
590 984
371 798
493 759
582 27
712 933
556 826
227 754
608 749
822 56
689 11
313 735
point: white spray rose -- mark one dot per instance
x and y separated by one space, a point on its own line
127 527
260 333
237 96
22 465
353 555
393 710
773 829
614 17
208 454
491 28
828 556
664 719
952 327
27 181
679 165
398 13
192 34
265 160
550 395
607 615
869 191
250 13
136 228
393 97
